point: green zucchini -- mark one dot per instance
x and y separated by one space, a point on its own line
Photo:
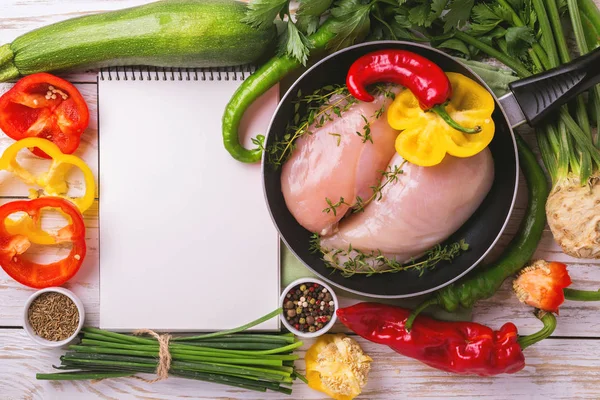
174 33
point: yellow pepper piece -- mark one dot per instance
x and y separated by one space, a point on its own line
31 228
52 181
337 366
426 138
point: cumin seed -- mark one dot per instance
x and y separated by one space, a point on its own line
53 316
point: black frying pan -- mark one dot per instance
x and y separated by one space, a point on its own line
531 99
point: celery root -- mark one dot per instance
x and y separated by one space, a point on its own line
573 213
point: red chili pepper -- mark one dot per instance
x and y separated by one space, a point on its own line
425 79
459 347
16 237
45 106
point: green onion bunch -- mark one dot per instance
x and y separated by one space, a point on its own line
251 361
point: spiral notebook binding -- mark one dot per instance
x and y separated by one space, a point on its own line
237 73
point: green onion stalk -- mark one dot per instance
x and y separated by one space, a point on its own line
568 143
252 361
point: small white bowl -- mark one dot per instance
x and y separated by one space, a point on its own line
325 328
45 342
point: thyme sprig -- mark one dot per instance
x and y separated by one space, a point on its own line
337 136
366 131
318 110
333 206
351 262
381 89
389 176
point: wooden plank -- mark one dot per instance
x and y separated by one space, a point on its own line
556 368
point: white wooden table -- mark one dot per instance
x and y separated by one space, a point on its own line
567 365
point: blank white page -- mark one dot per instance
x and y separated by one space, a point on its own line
186 240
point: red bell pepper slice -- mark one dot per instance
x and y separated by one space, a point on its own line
16 239
45 106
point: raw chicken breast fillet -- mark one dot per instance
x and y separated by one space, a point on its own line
423 208
334 163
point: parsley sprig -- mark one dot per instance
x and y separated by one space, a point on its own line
350 22
292 41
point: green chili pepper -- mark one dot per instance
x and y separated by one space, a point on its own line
258 83
483 283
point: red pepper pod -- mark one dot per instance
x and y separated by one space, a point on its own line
16 238
458 347
45 106
541 285
425 79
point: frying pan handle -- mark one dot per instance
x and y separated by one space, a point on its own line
540 94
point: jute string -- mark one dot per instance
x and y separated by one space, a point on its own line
164 356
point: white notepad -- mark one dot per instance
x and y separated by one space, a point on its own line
186 241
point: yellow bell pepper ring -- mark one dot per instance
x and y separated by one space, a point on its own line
426 138
52 182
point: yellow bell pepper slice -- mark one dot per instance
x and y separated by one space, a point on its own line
31 228
426 138
337 366
52 181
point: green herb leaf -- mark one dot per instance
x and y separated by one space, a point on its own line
313 7
458 14
491 14
502 12
262 13
457 45
379 32
401 19
294 43
481 29
259 141
307 23
437 7
519 40
483 14
418 15
333 207
497 32
352 22
337 136
309 13
426 13
400 25
527 13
